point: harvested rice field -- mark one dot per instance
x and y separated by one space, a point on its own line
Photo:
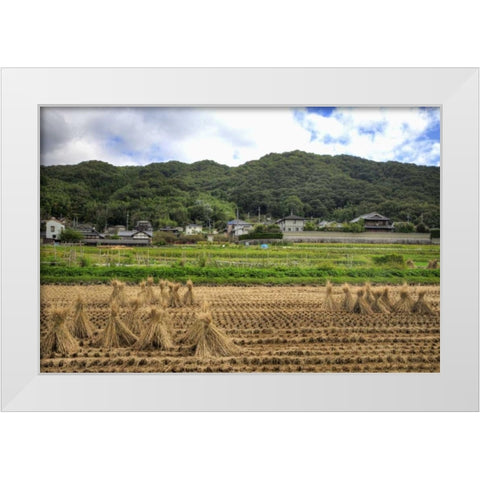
160 328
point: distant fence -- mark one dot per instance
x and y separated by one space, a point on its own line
364 237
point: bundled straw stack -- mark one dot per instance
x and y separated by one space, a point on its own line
361 305
81 326
164 295
205 339
385 297
118 295
421 306
116 333
432 264
348 301
149 293
405 303
132 320
369 294
378 306
174 295
142 294
330 304
156 334
188 299
58 339
410 264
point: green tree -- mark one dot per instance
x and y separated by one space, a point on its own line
69 235
422 228
294 205
310 226
404 227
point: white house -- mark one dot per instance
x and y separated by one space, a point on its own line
238 227
292 223
54 229
193 228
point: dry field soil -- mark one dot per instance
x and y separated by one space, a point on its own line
276 329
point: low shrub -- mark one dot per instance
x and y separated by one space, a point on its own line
404 227
84 262
391 259
260 236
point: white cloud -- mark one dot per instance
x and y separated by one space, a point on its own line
124 136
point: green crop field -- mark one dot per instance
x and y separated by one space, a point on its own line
238 264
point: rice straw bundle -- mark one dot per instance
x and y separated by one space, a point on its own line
369 294
156 333
188 297
122 297
164 296
116 333
330 303
174 295
58 339
378 306
132 320
386 298
142 294
421 306
432 264
149 294
81 326
348 301
410 264
118 294
206 340
405 303
361 305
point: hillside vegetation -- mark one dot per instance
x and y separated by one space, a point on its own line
320 186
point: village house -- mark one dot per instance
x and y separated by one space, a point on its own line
238 227
136 235
141 234
143 226
87 231
292 223
115 229
193 229
374 222
174 230
54 228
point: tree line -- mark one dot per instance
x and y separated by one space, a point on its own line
325 187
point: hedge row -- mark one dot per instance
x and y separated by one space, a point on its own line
260 236
230 274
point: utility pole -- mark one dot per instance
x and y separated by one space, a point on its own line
237 213
127 222
259 214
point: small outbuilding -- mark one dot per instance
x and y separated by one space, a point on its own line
54 228
193 229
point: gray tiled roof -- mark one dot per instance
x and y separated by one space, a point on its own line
370 216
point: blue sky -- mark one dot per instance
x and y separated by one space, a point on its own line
232 136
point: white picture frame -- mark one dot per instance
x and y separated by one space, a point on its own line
455 388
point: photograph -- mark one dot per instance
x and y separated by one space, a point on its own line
299 239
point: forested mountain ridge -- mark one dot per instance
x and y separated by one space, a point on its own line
319 186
